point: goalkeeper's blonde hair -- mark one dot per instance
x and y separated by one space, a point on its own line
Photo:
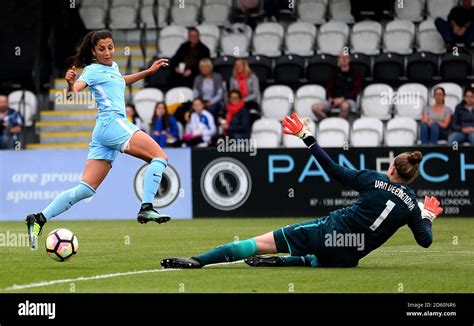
407 165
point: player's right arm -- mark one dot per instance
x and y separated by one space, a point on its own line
72 85
422 221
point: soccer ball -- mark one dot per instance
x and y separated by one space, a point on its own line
61 244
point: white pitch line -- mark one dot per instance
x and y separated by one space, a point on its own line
98 277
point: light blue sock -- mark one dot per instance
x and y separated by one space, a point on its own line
153 179
67 199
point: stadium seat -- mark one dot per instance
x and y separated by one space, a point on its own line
367 132
236 44
268 39
411 10
216 12
26 103
410 101
366 36
363 63
289 69
440 8
170 39
290 141
306 96
224 65
320 68
401 132
376 101
312 11
145 101
300 39
422 67
429 39
93 13
277 102
185 13
454 94
399 36
332 37
333 132
455 68
209 35
262 67
388 67
179 94
340 10
123 14
267 133
147 13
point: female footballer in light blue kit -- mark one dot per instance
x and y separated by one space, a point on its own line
112 134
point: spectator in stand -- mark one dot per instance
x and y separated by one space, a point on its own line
236 124
133 116
209 86
184 64
244 11
11 125
459 28
164 128
201 126
463 120
342 90
247 83
435 119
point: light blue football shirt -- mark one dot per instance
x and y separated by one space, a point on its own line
108 86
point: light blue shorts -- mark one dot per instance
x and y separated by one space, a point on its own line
110 136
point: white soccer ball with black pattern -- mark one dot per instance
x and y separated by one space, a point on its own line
61 244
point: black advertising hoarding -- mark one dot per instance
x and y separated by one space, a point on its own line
290 183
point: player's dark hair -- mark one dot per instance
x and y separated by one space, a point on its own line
84 56
407 165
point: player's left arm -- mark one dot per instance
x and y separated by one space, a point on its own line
423 220
130 79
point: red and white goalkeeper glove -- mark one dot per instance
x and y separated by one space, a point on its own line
431 208
295 126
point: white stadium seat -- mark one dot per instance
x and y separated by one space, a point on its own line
185 13
367 132
333 132
399 36
300 39
411 99
312 11
429 39
170 39
454 94
235 43
366 37
26 103
267 133
401 132
306 96
277 102
290 141
209 35
93 13
268 39
411 10
440 8
376 101
332 37
216 12
340 10
179 94
123 14
146 13
145 101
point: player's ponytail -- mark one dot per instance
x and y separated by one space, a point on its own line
84 56
407 165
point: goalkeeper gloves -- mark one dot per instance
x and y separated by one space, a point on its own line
431 208
295 126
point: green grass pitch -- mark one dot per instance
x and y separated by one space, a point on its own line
124 257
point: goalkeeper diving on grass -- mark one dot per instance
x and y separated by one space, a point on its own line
385 204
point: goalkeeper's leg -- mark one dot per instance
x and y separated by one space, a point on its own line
282 261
